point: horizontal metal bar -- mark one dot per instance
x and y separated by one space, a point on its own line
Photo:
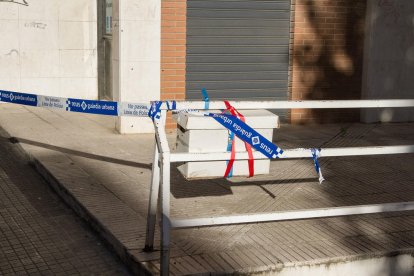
293 215
295 153
211 156
298 104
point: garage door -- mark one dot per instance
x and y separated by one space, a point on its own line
238 49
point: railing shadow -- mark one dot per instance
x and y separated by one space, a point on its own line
78 153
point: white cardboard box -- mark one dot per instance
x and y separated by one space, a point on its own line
204 134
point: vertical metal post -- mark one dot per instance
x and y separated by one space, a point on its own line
164 196
165 214
153 201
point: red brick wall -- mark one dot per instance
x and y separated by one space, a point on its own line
327 56
173 51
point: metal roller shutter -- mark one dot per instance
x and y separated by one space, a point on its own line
238 49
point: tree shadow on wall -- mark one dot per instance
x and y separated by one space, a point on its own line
328 57
328 62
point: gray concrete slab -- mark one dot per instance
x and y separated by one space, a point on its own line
105 177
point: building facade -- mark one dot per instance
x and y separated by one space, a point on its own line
140 51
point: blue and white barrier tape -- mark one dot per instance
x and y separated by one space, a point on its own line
243 131
233 124
231 139
206 98
248 135
76 105
315 156
18 98
230 142
155 108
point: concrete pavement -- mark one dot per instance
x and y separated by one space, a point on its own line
105 178
39 234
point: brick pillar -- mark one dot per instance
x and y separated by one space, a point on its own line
327 55
173 51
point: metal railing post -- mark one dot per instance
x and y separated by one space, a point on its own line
164 192
165 216
153 200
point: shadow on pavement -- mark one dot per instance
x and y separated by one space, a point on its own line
15 140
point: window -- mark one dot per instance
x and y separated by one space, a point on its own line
104 49
108 17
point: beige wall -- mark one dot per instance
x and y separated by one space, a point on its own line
389 57
136 57
49 47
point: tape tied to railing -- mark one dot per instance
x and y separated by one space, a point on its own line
235 113
155 109
242 131
231 143
206 98
171 105
315 155
230 122
230 148
248 134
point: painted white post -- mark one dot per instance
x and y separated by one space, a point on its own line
164 193
165 219
136 59
153 201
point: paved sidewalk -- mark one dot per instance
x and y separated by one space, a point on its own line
39 234
105 177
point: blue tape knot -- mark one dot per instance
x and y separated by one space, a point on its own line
315 155
155 110
205 98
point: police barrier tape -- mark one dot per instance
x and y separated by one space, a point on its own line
243 131
232 123
76 105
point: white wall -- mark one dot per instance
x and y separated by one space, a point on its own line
136 57
49 47
389 57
